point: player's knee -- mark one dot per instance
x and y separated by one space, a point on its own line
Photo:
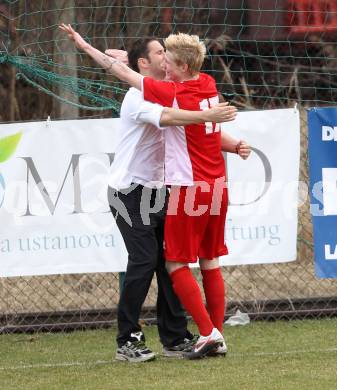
172 266
209 264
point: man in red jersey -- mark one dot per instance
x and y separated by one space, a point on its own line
194 167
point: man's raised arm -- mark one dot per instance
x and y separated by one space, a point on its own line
113 66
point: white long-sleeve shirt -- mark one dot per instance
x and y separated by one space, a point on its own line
140 152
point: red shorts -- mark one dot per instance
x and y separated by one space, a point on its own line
195 223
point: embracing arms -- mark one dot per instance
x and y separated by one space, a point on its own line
217 114
119 68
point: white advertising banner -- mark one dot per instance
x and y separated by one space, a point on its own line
261 222
55 217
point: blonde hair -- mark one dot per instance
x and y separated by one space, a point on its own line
186 49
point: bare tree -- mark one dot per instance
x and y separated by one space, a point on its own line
66 59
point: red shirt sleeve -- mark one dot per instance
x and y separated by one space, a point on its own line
161 92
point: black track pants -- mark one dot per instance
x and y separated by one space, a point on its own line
144 209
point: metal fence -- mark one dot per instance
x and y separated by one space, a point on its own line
64 302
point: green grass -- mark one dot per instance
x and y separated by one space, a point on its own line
274 355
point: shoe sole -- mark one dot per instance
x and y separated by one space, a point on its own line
173 354
215 354
204 351
123 358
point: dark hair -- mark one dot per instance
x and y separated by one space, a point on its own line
139 49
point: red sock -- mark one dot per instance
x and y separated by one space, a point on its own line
188 291
214 288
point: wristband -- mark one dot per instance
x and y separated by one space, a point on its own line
114 61
237 147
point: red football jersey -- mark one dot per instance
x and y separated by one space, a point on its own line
193 152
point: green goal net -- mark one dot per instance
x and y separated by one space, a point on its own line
262 53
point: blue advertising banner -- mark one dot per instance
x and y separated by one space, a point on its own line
323 188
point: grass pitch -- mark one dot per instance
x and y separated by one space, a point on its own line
274 355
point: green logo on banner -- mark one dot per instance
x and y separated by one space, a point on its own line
8 146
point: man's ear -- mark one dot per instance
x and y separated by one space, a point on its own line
142 62
184 68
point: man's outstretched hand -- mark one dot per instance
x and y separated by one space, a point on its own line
223 112
74 36
120 55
